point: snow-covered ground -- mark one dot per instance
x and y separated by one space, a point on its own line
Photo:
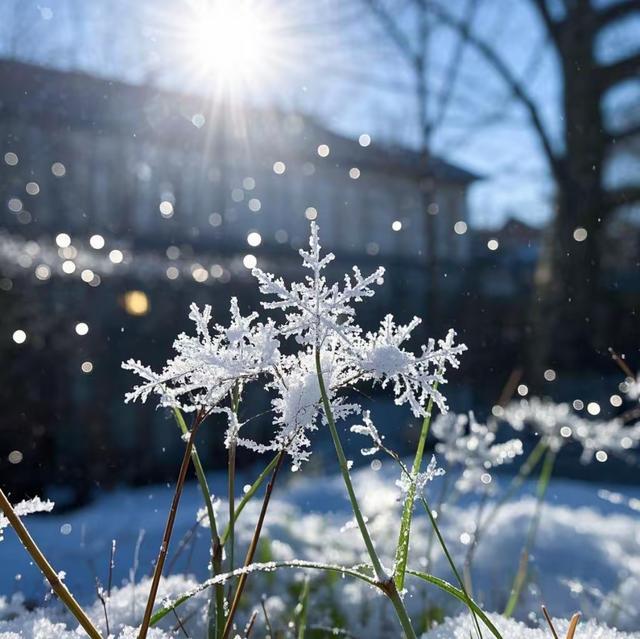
587 557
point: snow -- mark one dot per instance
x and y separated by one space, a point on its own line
26 507
586 557
459 628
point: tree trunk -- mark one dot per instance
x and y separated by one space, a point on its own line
568 280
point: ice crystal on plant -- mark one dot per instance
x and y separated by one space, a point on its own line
471 445
632 388
368 429
208 365
321 317
313 308
557 424
611 436
26 507
415 378
297 404
419 480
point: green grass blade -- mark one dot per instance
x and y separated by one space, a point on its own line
304 606
268 567
402 549
458 594
521 576
447 554
249 494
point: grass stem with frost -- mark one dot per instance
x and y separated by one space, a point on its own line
216 609
386 583
402 549
47 570
168 531
252 547
521 575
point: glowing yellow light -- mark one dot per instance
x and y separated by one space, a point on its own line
136 303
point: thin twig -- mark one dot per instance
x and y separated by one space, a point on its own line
166 538
267 621
45 567
184 542
548 618
252 547
249 626
235 402
624 367
100 595
180 624
112 565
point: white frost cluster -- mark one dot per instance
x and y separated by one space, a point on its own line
419 480
558 423
208 366
321 317
368 429
26 507
468 444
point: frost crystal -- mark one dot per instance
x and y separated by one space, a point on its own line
26 507
414 377
208 365
419 480
632 388
314 309
610 436
322 319
554 422
368 429
474 450
557 424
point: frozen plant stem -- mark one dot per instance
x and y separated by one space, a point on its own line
235 401
252 547
402 550
447 554
521 575
484 523
216 608
45 567
386 583
166 537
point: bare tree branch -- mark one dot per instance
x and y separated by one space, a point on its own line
617 11
612 74
392 28
502 69
454 65
622 196
545 14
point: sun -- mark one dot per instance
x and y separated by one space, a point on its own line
231 40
